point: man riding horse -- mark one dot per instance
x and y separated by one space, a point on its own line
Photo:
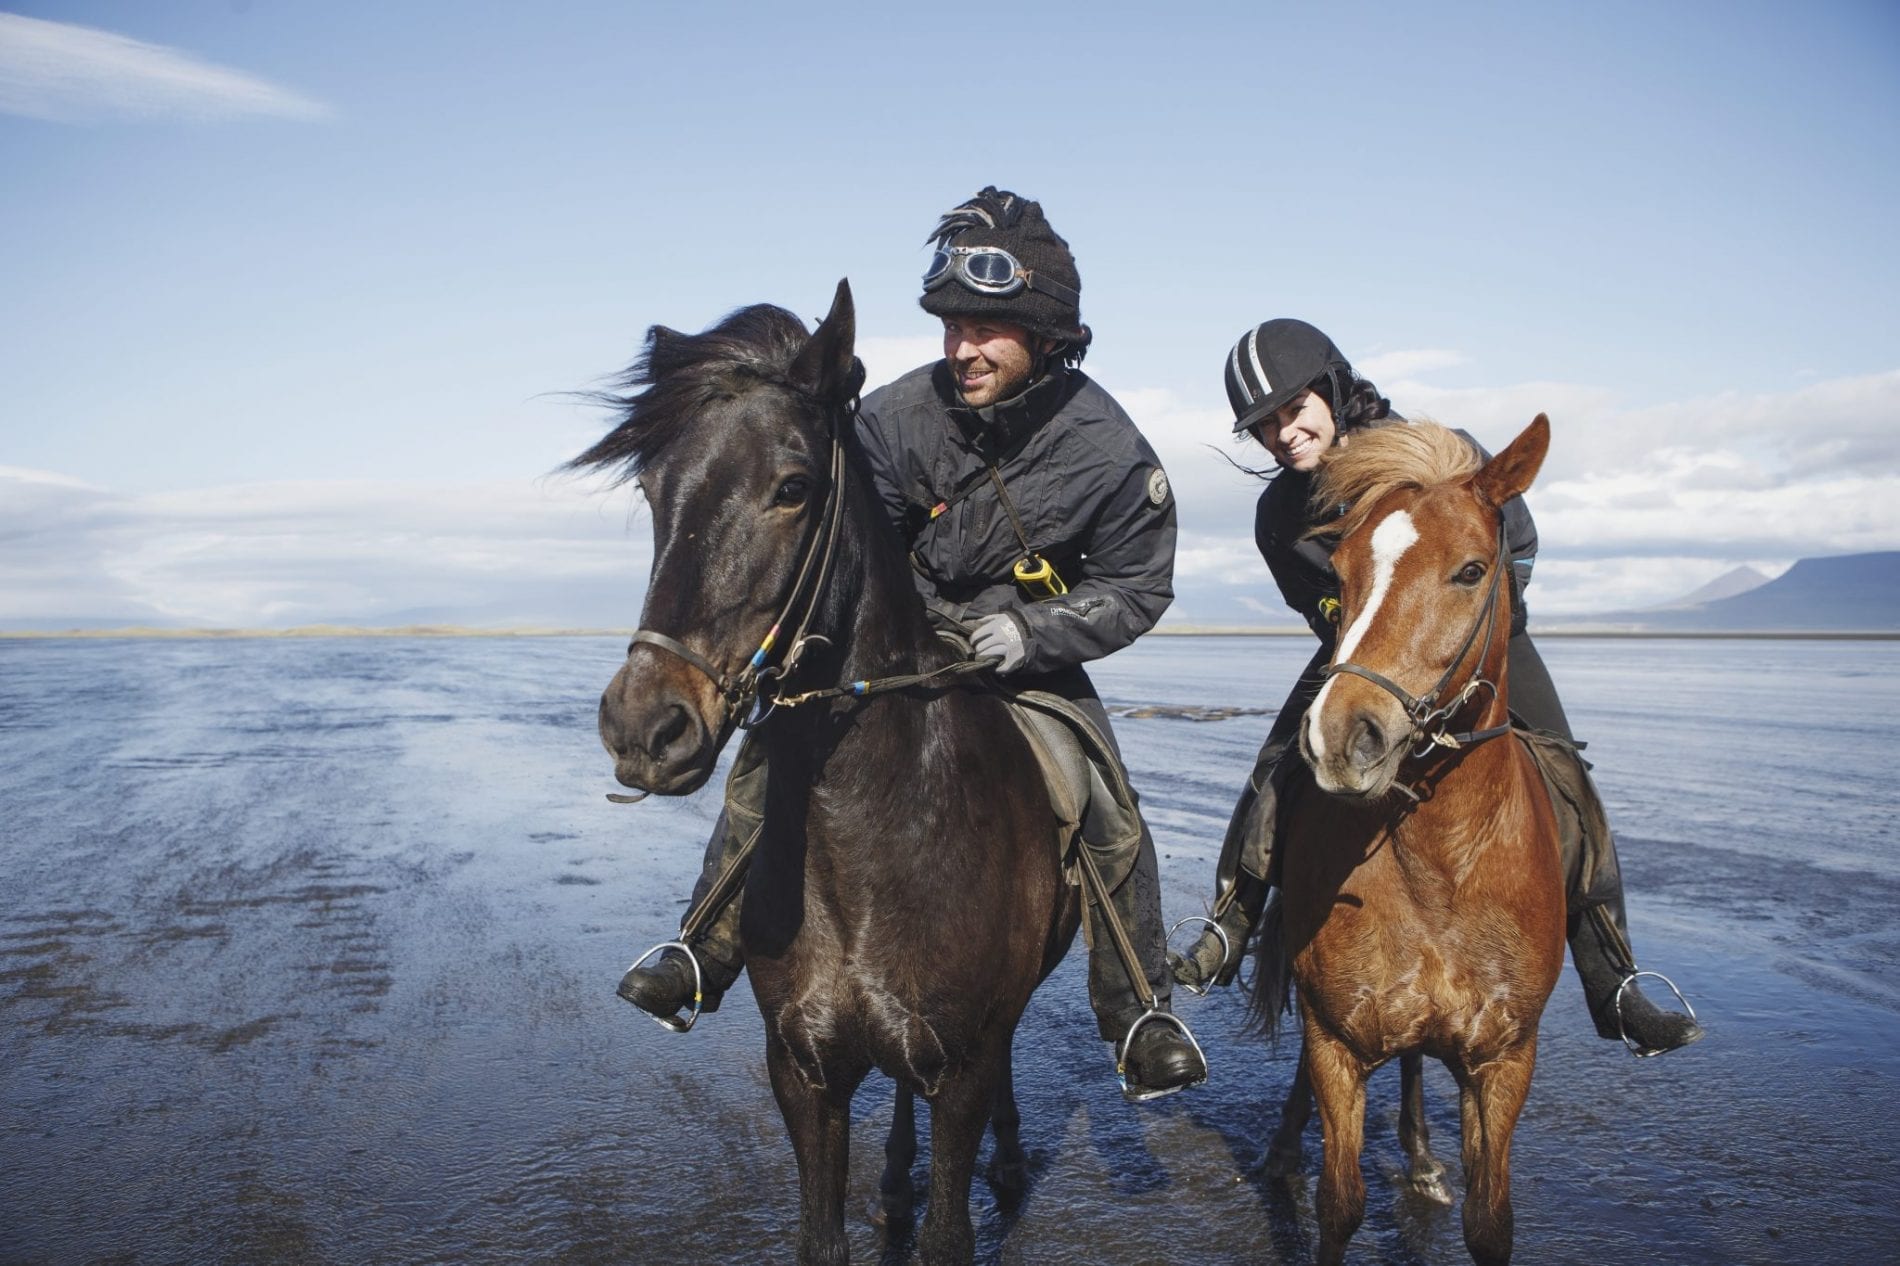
1041 529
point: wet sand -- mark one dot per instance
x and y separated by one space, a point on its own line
307 950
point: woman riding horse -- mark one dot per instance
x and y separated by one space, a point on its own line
1298 397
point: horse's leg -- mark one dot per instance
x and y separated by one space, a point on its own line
1284 1152
896 1197
1491 1096
1009 1168
958 1114
1427 1176
1339 1084
819 1122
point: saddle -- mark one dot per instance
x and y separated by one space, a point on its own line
1087 786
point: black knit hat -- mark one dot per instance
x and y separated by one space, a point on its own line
1275 361
997 217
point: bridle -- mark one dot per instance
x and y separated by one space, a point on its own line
742 693
1430 718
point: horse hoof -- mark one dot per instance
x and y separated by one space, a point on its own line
1431 1187
1281 1163
1009 1179
889 1211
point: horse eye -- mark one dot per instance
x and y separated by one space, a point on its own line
792 491
1470 574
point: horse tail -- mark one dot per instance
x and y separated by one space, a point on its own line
1272 974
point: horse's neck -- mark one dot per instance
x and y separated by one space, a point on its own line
876 627
883 630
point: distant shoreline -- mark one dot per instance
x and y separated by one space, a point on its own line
446 630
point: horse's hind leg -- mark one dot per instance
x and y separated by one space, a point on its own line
1284 1152
1008 1171
896 1196
1339 1084
1427 1176
958 1114
1490 1098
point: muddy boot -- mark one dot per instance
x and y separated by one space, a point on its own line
1129 985
1215 957
1599 948
1160 1060
669 986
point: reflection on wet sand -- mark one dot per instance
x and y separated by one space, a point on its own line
307 954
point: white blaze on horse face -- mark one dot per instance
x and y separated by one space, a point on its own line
1395 534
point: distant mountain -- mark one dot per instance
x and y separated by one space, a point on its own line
1729 584
1847 593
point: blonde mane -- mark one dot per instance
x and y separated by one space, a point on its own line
1382 460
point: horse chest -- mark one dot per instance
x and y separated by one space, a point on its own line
1388 979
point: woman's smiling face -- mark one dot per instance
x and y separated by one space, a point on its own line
1299 432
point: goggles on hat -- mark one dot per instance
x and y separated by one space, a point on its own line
989 270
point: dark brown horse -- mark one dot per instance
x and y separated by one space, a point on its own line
906 894
1424 905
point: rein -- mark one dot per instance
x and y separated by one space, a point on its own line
750 682
1430 718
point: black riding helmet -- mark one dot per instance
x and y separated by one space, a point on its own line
1275 361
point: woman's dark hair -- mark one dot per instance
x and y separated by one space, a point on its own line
1355 400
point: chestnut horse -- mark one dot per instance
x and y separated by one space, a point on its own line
906 894
1423 906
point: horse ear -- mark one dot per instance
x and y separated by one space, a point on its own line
1510 473
826 367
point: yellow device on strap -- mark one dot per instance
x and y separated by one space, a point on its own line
1034 571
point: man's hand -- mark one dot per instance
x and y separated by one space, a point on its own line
999 637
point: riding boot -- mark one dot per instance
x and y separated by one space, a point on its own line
1598 928
710 930
1242 878
1599 947
711 926
1124 941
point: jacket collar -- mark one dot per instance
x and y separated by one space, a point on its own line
997 428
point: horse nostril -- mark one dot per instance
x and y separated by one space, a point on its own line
1368 742
672 726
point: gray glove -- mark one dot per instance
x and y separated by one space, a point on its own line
999 637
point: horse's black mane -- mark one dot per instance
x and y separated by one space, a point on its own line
678 374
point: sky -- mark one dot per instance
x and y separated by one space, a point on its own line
296 300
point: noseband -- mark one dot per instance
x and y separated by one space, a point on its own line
740 692
1429 717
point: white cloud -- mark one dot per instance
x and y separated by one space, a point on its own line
1384 366
1635 507
557 552
72 74
889 357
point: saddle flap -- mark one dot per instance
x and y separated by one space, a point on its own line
1087 786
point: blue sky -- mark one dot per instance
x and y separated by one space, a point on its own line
290 293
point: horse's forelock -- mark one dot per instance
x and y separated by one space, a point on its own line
1383 460
677 375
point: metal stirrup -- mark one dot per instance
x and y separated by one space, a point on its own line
1121 1057
1644 1052
674 1023
1226 948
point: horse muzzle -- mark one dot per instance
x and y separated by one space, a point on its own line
664 735
1355 751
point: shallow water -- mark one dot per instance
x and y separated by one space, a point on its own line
307 954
